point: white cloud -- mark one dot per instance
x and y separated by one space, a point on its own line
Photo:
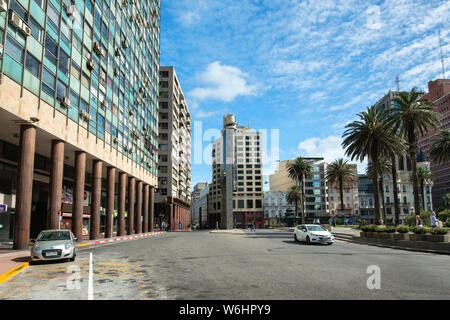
223 83
329 148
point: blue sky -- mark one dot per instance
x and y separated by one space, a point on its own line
302 67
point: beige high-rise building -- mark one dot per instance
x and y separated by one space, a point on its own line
237 201
174 154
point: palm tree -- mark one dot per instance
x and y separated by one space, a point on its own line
381 167
423 175
370 136
411 115
340 172
299 170
294 197
440 149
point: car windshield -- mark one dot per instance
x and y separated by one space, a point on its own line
316 228
53 235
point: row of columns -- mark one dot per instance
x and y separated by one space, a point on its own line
179 213
140 221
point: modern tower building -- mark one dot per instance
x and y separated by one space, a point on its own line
236 193
174 154
199 208
78 115
439 94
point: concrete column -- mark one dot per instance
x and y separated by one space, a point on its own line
121 211
24 189
151 213
145 209
56 184
97 167
78 196
131 194
109 216
138 221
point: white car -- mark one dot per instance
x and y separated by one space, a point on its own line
313 233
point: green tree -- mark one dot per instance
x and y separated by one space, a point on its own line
381 167
423 175
299 170
440 149
412 115
340 172
293 197
446 201
369 137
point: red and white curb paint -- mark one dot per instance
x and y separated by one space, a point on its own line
124 238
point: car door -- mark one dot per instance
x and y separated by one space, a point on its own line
302 231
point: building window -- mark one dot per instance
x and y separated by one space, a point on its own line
32 65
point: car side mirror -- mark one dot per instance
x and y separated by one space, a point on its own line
75 239
33 241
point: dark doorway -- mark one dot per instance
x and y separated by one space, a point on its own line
39 208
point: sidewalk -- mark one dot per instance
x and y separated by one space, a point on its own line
231 231
13 261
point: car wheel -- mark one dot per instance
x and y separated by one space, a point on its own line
295 238
308 242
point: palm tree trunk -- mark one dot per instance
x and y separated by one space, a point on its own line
394 185
422 192
341 191
376 194
382 199
412 155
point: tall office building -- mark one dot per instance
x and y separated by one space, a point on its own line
174 155
199 208
78 102
316 189
236 193
439 94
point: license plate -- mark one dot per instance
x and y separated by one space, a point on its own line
51 253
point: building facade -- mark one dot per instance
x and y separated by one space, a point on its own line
276 207
350 193
439 95
316 188
365 196
236 193
199 208
173 202
78 99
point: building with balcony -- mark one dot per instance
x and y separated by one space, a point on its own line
439 95
173 201
79 116
236 193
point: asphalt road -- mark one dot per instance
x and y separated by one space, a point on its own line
259 265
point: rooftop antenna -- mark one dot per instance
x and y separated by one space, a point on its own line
442 54
397 83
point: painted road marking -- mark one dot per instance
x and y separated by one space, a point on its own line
13 272
90 283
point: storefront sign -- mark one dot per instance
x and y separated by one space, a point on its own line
67 196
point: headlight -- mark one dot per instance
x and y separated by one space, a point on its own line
36 248
67 246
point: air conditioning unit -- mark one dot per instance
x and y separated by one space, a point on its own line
124 3
104 104
3 5
26 30
15 19
141 38
131 113
116 71
70 10
98 49
65 102
90 65
124 44
117 52
116 141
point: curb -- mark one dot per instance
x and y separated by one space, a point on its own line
9 274
393 247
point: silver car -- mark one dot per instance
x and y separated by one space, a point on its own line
54 245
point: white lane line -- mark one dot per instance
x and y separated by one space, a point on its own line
90 282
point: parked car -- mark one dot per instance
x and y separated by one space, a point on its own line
313 233
54 245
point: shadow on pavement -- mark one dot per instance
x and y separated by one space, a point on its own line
21 259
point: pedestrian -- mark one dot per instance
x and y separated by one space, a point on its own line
419 222
253 227
217 225
434 220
